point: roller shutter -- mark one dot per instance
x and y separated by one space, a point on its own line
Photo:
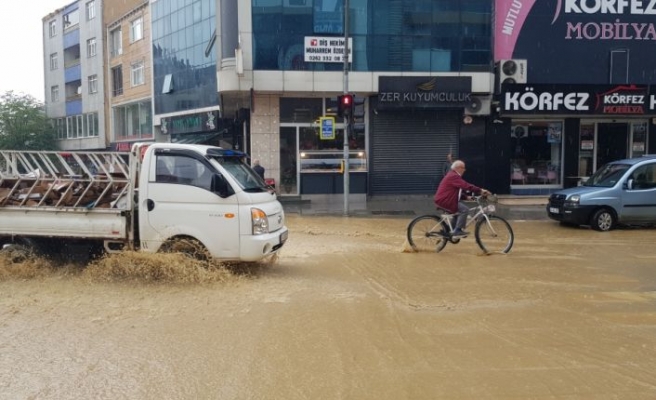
408 149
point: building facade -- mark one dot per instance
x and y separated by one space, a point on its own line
186 100
73 65
575 90
128 73
421 74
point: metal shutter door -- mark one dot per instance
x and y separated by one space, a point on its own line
408 149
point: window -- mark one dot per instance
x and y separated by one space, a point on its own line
53 61
167 87
117 81
52 27
93 84
115 42
54 93
133 121
91 10
92 124
136 30
184 170
138 73
91 47
71 19
536 152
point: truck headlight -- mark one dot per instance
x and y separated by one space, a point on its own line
260 221
574 200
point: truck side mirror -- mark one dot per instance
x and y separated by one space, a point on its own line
221 186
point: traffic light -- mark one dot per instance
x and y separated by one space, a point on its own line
345 105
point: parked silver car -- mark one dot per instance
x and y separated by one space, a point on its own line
620 192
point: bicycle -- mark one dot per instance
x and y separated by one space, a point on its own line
493 233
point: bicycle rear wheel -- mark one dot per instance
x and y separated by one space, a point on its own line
424 233
494 234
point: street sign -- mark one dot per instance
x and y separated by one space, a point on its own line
327 128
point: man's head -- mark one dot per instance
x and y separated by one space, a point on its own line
449 157
458 166
256 162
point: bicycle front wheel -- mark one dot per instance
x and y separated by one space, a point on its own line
424 234
494 234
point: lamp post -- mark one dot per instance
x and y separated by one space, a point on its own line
347 118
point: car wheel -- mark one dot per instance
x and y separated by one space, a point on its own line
603 220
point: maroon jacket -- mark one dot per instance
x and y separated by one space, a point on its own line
448 193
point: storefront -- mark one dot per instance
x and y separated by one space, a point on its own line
561 134
312 147
415 123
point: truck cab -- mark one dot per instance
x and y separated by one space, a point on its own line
210 195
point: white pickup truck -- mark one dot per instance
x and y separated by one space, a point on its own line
159 197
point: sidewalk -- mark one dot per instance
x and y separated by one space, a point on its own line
508 206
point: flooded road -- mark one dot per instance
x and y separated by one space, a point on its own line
345 313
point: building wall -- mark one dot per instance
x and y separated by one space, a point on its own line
265 137
86 103
578 41
51 45
121 14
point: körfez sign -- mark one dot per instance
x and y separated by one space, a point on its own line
579 99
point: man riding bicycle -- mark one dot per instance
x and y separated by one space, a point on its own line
450 192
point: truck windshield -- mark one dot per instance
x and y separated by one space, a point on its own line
607 176
248 179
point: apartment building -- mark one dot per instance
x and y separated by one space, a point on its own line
74 74
128 73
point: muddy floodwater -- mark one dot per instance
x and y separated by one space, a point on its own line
344 313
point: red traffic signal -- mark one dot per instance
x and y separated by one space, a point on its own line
345 105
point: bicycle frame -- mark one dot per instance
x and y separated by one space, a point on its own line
479 209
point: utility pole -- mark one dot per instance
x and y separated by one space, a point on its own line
347 118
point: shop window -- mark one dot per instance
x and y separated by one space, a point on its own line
536 153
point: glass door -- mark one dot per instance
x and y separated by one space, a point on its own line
288 161
612 142
638 139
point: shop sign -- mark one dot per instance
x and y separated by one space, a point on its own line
199 122
579 99
326 49
424 92
572 21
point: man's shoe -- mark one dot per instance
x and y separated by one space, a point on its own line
459 233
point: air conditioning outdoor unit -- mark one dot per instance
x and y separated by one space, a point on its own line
79 90
511 71
479 105
519 131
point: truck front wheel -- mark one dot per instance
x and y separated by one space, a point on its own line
187 246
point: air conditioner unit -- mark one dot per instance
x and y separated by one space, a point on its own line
79 90
511 71
519 131
479 105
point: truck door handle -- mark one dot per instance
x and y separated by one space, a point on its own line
150 204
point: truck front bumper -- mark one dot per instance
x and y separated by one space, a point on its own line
256 247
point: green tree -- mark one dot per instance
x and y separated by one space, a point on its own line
24 124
